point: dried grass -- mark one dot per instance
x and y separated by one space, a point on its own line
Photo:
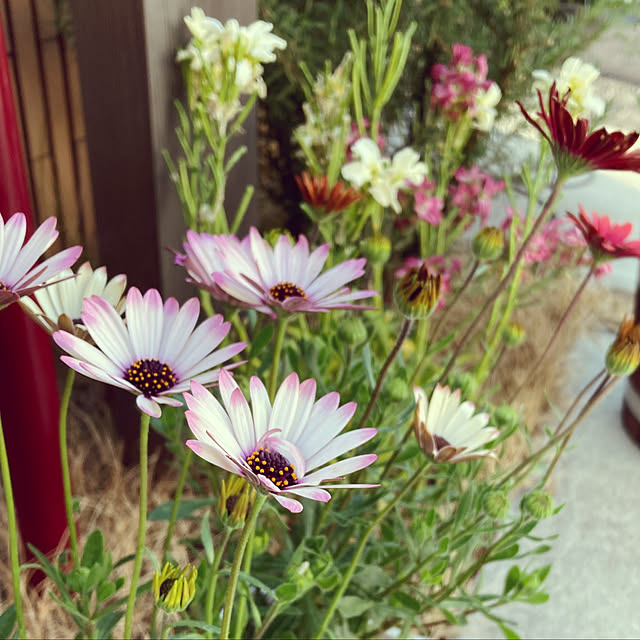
108 490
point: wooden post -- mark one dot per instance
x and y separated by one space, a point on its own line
129 77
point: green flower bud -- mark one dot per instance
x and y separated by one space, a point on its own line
417 292
513 334
496 504
352 331
505 416
236 498
273 235
377 249
488 244
398 389
466 382
623 356
538 504
174 588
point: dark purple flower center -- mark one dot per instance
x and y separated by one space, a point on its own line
274 466
441 442
165 587
284 290
151 376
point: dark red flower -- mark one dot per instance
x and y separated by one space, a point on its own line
574 148
606 240
315 190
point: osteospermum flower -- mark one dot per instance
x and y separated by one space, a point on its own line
280 449
447 429
59 306
286 277
156 354
315 190
574 148
605 239
19 275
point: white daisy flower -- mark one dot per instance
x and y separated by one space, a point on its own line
278 448
285 277
59 306
156 354
447 429
19 275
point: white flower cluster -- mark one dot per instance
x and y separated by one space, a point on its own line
485 107
578 77
383 176
226 61
326 113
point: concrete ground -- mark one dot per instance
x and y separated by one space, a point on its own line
594 585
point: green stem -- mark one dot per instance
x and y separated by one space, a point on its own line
142 522
213 580
404 330
277 350
242 603
64 461
176 504
346 579
503 283
13 534
249 526
556 333
272 614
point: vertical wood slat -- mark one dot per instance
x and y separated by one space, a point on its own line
48 100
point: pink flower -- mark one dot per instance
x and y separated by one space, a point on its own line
472 192
19 274
426 205
606 240
282 449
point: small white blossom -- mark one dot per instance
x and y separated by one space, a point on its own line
485 107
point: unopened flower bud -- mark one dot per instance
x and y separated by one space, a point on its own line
377 249
398 389
496 504
352 331
513 334
538 504
273 235
623 356
505 416
417 292
466 382
236 497
488 244
174 588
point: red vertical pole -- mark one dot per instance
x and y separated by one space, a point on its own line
631 406
29 403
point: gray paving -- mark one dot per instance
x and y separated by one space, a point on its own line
595 581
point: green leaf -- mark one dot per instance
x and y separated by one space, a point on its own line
186 508
261 340
329 582
352 606
509 552
106 590
535 598
406 601
8 622
106 623
287 592
93 549
512 580
509 633
366 361
207 540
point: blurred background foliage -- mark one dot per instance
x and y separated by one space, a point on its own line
517 36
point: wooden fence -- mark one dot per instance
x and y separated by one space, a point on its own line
49 103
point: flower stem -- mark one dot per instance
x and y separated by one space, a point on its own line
356 556
277 350
64 461
142 522
272 614
242 599
249 526
13 534
176 504
503 283
213 579
404 331
555 334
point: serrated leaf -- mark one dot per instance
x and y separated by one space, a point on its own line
93 549
261 340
